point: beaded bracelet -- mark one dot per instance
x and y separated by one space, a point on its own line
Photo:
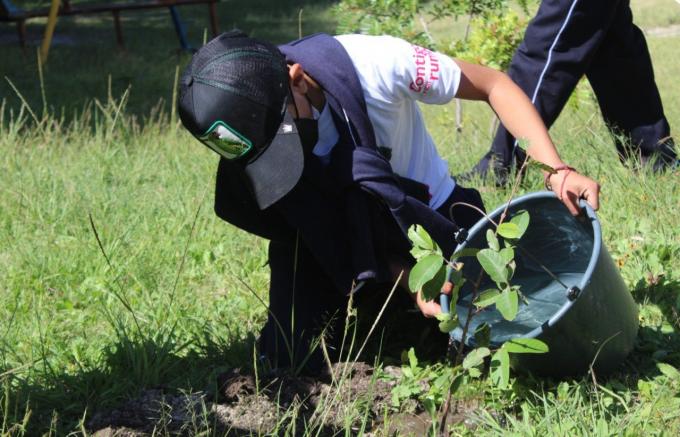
546 180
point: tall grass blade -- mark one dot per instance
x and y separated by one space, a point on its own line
23 100
118 295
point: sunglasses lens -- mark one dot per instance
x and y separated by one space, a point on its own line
223 140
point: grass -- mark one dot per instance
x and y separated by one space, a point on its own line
648 13
79 334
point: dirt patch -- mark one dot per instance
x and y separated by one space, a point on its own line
352 396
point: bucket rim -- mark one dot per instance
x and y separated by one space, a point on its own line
590 216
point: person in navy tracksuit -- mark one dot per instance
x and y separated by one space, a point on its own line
568 39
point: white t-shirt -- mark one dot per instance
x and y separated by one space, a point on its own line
394 76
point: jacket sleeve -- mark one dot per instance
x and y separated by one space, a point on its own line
235 204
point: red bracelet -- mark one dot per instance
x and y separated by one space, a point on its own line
546 180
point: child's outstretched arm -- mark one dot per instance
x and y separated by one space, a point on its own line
519 116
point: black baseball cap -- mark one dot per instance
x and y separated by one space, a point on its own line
233 98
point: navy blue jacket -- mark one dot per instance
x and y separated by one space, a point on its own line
331 206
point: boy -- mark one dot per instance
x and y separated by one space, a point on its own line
325 153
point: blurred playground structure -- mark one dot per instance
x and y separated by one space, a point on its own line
9 12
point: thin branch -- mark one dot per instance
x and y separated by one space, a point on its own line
469 22
469 205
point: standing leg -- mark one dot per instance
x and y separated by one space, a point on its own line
623 80
558 46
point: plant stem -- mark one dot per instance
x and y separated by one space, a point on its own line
459 352
475 291
469 23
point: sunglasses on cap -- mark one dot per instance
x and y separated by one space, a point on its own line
232 145
226 141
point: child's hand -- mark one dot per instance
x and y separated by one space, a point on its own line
428 308
570 186
432 308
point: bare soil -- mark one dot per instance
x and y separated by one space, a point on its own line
351 397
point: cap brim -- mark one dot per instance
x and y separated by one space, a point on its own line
275 171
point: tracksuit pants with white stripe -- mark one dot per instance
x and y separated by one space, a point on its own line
568 39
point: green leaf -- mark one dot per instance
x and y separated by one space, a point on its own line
669 371
476 357
525 346
509 230
442 382
466 251
508 304
412 359
424 270
455 276
474 372
420 238
430 407
453 298
493 264
563 390
500 368
487 297
483 335
507 255
397 395
448 321
423 244
433 288
457 381
442 317
418 253
449 325
521 219
492 240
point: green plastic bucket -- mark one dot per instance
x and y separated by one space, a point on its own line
582 309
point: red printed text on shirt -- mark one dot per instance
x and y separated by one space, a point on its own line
427 70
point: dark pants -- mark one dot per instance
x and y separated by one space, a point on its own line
568 39
303 303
